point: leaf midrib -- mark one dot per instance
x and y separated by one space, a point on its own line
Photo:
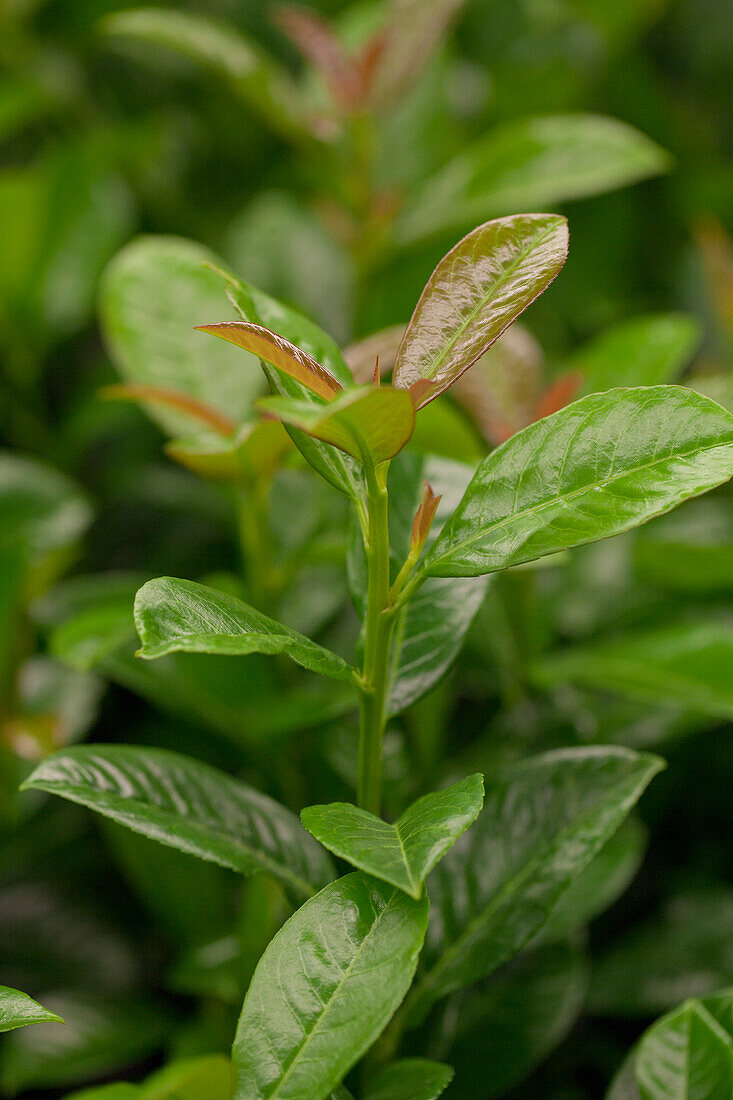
471 316
603 483
347 973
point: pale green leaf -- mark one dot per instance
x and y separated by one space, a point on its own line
542 823
598 467
207 1078
153 294
406 852
475 292
325 988
42 510
368 423
187 805
18 1009
178 615
528 164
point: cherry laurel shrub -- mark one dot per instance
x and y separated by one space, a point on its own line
371 956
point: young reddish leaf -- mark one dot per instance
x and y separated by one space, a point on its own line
424 517
558 394
174 399
501 390
375 422
279 352
318 44
475 292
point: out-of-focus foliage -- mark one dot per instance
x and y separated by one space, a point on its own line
326 171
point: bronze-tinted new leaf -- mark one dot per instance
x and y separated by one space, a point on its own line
279 352
475 292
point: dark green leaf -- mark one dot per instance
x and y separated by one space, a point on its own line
598 467
475 292
406 852
497 1031
542 823
18 1009
529 164
645 351
411 1079
684 666
107 1092
690 551
189 806
325 988
178 615
365 422
42 510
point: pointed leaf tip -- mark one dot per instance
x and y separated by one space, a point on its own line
279 352
424 517
483 284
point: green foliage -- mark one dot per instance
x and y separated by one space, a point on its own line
438 471
406 852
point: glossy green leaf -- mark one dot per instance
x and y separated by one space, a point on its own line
601 883
325 988
187 805
100 1038
406 852
531 163
598 467
252 74
172 614
367 422
153 294
542 823
410 1079
498 1030
475 292
208 1078
687 1055
18 1009
685 666
643 351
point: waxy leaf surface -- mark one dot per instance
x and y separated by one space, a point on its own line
279 352
475 292
18 1009
598 467
325 988
411 1079
542 823
529 164
178 615
687 1055
373 422
190 806
406 852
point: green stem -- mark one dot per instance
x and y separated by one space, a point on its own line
377 642
252 525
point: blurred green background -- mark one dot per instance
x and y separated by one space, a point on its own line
204 122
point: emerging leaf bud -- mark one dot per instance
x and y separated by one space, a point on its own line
424 517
